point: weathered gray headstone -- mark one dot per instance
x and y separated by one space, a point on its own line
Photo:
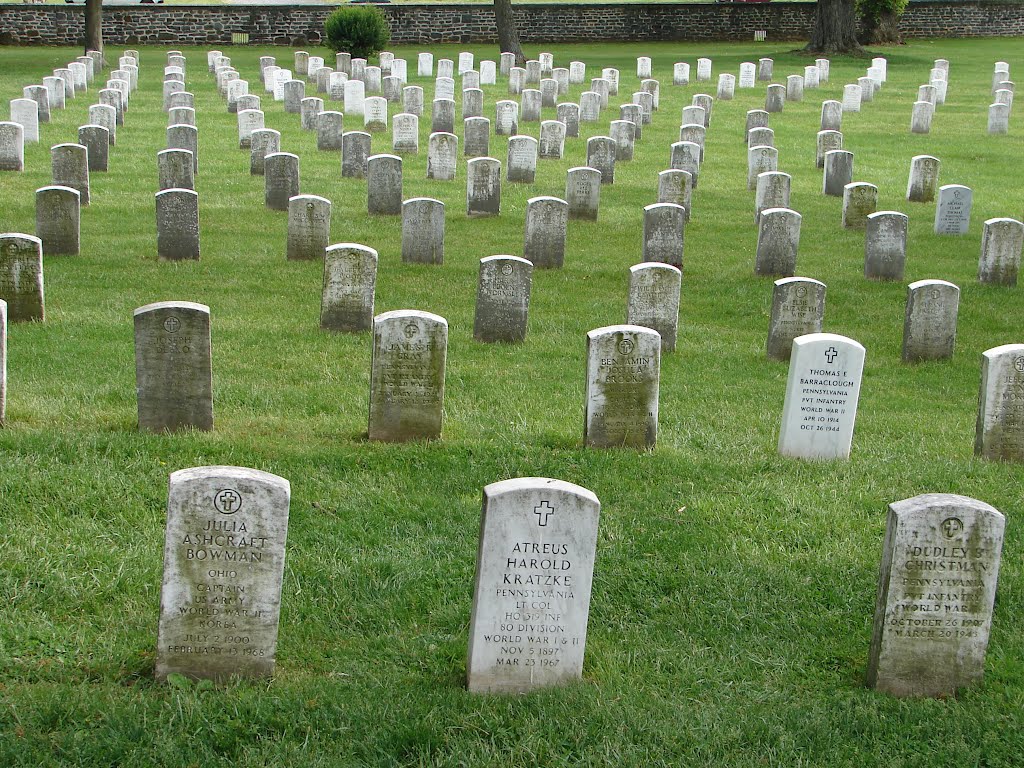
794 88
375 114
223 563
921 117
412 100
423 231
778 240
530 105
442 116
680 73
552 140
654 300
185 137
522 159
827 142
923 181
41 96
407 376
675 186
473 103
384 185
765 69
71 168
590 107
569 113
759 160
502 299
623 374
281 175
181 115
929 322
531 599
583 192
831 115
798 308
442 156
330 127
174 169
546 229
173 366
953 210
774 98
998 118
1001 243
936 589
263 142
506 118
885 245
663 233
355 153
309 227
12 146
760 137
623 132
476 137
106 116
350 280
355 97
771 191
860 200
177 224
405 134
55 91
294 93
516 81
21 285
821 397
483 187
685 156
999 433
851 98
309 108
838 172
249 120
58 220
601 152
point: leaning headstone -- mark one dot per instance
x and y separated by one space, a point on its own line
583 192
442 156
522 159
12 146
174 169
663 234
885 245
350 279
654 300
281 175
483 187
936 589
821 397
262 142
355 152
798 308
546 229
929 321
309 227
223 564
999 433
623 373
502 299
384 185
860 200
58 220
778 240
531 598
1001 243
173 366
177 224
21 281
953 210
71 168
407 376
423 231
923 181
838 172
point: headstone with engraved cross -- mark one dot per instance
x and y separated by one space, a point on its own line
623 378
223 565
821 397
936 590
531 601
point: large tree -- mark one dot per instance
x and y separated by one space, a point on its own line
835 28
508 35
93 25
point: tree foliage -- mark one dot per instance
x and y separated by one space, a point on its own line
361 31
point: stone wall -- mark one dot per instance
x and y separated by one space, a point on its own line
28 24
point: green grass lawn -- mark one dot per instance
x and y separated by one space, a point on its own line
733 591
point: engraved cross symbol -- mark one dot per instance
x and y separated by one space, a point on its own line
830 354
1019 364
543 512
227 501
951 527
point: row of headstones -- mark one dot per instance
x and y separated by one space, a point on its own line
1002 94
225 542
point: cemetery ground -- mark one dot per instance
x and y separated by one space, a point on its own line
734 589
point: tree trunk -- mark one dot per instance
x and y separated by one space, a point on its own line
93 25
508 35
885 31
835 28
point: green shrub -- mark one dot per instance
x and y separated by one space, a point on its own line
361 31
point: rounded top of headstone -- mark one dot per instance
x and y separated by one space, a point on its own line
546 199
260 131
188 306
409 314
929 501
692 145
551 123
69 145
673 171
183 126
538 483
384 156
1003 349
953 187
888 214
656 265
1004 221
831 338
315 199
240 474
358 247
918 284
176 191
789 212
441 134
274 155
477 119
610 330
522 139
15 236
422 201
357 133
59 188
517 259
776 175
782 281
584 170
665 207
483 161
